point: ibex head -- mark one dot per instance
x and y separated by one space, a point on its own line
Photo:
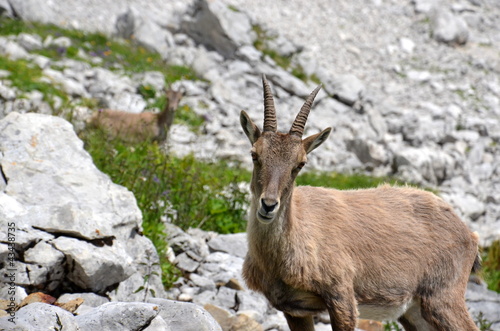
278 157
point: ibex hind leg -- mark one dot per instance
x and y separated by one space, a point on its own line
447 313
412 319
300 323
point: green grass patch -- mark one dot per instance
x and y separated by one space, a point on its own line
25 76
125 55
261 44
342 181
491 266
185 115
192 193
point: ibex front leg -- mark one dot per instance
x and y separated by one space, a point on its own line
341 306
300 323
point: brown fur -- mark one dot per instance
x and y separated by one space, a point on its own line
312 248
135 128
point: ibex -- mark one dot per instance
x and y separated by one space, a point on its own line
388 253
133 127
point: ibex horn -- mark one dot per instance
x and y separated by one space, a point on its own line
269 110
301 119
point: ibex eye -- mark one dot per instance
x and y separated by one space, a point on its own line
301 165
255 158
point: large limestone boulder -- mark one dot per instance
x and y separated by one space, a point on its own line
74 229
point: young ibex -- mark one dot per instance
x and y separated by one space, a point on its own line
133 127
389 253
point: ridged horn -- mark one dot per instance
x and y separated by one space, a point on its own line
269 110
301 119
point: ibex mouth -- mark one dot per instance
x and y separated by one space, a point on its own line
265 219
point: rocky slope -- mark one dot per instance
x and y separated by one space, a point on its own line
411 89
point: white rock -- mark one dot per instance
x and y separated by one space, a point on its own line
407 45
41 316
449 28
29 41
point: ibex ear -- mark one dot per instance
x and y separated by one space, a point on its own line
311 142
251 130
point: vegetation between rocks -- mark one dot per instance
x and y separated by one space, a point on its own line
284 62
491 266
96 49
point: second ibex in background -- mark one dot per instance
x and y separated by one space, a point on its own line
140 127
389 253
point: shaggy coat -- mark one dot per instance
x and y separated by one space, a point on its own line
387 253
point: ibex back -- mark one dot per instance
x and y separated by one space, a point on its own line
389 253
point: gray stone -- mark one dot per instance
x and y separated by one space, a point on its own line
19 293
218 27
6 92
281 78
95 268
407 45
12 49
43 253
252 301
424 6
184 262
6 9
69 85
40 316
434 165
151 78
282 45
63 42
29 42
234 244
346 88
249 53
204 283
144 30
467 204
185 316
36 161
32 10
368 152
45 266
419 76
125 101
480 300
158 324
89 298
449 28
128 316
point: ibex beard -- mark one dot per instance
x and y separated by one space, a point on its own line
388 253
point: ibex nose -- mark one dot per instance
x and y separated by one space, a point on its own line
269 205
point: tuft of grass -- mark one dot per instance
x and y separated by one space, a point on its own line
392 326
491 266
342 181
482 322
